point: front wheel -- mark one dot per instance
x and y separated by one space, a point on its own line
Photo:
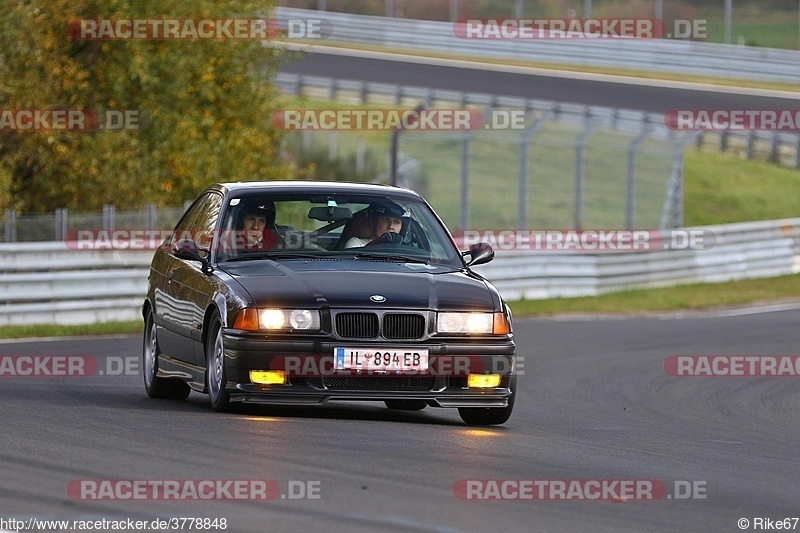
155 386
490 416
216 379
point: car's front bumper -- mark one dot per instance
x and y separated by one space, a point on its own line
444 385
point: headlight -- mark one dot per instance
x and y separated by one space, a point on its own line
472 323
464 323
278 319
272 319
302 319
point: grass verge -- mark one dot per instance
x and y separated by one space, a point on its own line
723 188
683 297
48 330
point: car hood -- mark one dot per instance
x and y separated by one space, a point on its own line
342 283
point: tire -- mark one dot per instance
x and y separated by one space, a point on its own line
490 416
216 377
156 387
406 405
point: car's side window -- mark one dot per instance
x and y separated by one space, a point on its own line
183 230
199 222
206 220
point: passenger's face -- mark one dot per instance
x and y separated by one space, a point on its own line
388 224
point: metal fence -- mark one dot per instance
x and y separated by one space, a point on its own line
57 225
782 148
661 55
572 166
548 176
552 175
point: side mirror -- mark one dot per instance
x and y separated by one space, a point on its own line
188 250
479 253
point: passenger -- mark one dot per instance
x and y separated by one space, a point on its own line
257 224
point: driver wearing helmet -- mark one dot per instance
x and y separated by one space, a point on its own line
386 220
257 222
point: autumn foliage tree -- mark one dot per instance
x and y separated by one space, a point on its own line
203 105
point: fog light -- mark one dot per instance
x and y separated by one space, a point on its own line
483 381
268 377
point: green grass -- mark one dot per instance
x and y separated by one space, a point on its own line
773 35
693 297
757 26
104 328
721 189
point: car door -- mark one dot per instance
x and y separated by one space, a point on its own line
173 301
197 288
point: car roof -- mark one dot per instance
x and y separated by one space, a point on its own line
321 187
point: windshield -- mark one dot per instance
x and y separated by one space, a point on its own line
276 226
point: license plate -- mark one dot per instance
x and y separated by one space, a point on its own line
381 359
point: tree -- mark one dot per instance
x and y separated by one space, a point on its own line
203 105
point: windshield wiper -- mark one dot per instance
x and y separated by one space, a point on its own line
390 257
274 255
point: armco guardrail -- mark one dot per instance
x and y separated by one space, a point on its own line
744 250
47 283
664 55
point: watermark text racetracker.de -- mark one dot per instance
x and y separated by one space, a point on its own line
399 119
67 366
193 489
733 365
588 241
150 239
67 120
579 489
733 119
194 29
166 29
577 28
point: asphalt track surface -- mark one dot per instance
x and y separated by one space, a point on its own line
594 403
653 98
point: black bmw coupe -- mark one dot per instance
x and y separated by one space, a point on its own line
302 293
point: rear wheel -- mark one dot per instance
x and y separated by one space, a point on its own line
490 416
155 386
216 379
406 405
